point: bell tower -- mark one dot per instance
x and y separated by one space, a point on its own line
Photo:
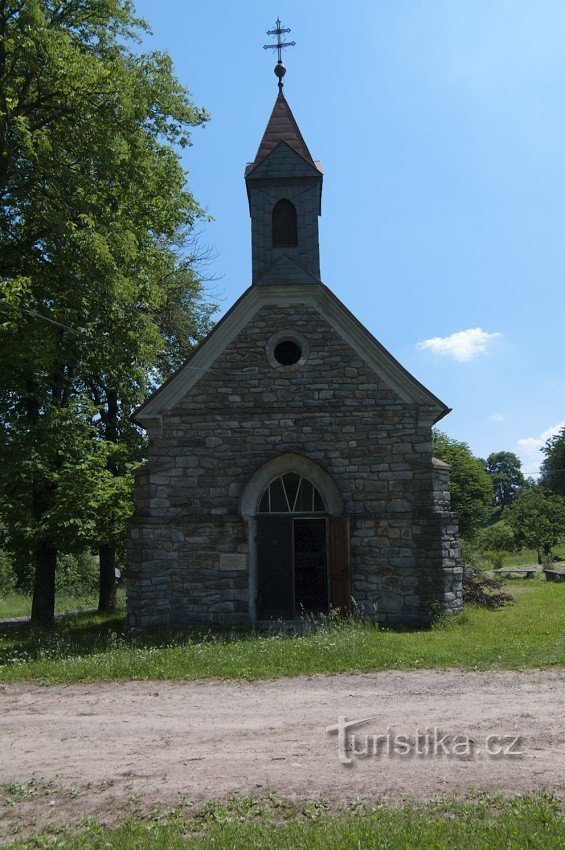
284 188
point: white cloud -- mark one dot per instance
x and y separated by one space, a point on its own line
462 346
497 417
528 449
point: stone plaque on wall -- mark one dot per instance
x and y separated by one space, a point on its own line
229 561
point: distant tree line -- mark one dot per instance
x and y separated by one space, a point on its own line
499 509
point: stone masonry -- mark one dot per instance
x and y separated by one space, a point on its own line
188 543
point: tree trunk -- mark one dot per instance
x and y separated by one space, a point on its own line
107 551
539 556
107 597
43 604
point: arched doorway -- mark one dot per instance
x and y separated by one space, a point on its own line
292 549
299 540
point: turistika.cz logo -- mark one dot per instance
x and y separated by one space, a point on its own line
429 742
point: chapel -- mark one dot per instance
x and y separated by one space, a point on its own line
290 468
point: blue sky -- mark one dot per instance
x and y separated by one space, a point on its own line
441 128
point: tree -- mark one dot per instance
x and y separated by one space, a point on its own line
553 467
471 487
505 470
497 538
99 294
495 542
538 520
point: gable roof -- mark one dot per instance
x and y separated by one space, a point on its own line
395 376
282 127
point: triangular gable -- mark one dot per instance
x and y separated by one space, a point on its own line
283 159
330 308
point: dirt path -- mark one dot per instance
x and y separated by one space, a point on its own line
209 739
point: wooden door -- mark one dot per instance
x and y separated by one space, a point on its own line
340 563
275 574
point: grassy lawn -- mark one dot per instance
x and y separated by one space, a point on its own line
529 557
85 647
271 822
19 604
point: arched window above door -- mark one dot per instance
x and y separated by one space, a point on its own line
291 494
285 226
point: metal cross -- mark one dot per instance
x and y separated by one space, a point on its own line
280 45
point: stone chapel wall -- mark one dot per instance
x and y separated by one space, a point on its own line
188 545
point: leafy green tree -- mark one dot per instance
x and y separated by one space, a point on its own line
495 542
99 294
471 487
538 520
553 467
55 479
505 469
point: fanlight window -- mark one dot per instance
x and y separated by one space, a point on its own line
285 226
291 494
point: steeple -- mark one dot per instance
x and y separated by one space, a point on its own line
284 188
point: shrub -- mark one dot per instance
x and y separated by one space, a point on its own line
479 590
7 574
495 558
77 573
470 556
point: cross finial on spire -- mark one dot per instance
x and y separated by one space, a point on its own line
279 31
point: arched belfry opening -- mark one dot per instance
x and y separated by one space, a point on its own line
285 224
299 541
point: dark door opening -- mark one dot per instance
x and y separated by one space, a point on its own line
310 566
275 591
292 567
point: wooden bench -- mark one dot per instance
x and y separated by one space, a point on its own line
529 572
554 575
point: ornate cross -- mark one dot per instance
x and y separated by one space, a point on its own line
279 31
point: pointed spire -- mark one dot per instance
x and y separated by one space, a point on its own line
282 127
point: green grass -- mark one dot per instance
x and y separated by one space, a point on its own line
528 558
82 648
271 822
19 604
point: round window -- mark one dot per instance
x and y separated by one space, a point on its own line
287 352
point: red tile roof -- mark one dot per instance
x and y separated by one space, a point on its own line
282 127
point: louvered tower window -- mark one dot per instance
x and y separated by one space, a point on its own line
285 228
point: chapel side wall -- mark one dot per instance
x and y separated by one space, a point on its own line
149 551
188 539
436 534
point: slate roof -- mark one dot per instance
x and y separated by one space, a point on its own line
282 127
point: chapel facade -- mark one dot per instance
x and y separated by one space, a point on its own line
290 466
